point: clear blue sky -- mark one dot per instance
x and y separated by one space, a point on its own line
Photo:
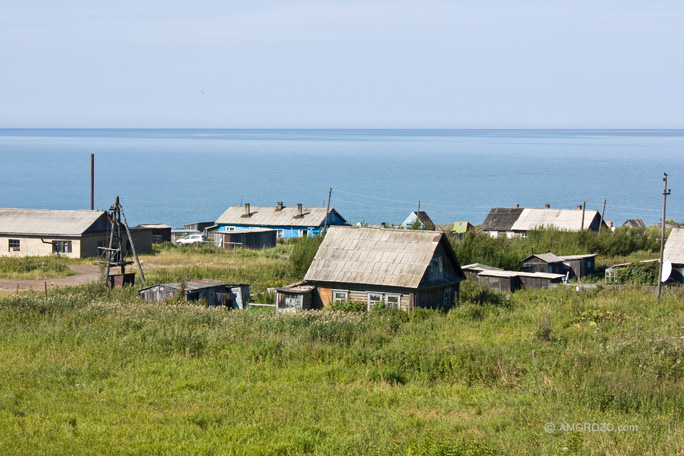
342 64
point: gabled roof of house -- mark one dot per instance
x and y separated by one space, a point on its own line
634 223
271 216
501 218
545 257
46 222
562 219
526 219
674 247
375 256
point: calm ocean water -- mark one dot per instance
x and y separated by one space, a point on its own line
184 176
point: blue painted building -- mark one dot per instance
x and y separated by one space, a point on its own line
290 222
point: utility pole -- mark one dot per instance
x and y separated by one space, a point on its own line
92 182
603 212
662 240
584 208
327 210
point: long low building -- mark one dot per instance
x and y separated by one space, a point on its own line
70 233
42 232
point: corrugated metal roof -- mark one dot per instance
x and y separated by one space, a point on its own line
397 258
46 222
578 257
562 219
480 267
545 257
674 247
541 275
270 216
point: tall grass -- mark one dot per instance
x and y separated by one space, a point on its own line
35 268
93 371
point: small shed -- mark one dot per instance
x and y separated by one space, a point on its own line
215 293
545 262
472 270
540 279
634 223
251 238
580 265
510 281
160 233
295 297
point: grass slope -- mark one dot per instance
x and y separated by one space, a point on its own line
94 372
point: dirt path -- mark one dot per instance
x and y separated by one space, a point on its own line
84 274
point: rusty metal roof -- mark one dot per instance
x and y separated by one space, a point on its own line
46 222
271 216
376 256
674 247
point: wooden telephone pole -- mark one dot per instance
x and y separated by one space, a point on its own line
666 192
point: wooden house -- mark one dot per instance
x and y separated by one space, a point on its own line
289 222
674 254
517 221
634 223
43 232
418 219
460 229
403 269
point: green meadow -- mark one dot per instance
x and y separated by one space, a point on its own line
90 371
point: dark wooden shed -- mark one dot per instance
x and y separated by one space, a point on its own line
545 262
580 265
295 297
215 293
252 238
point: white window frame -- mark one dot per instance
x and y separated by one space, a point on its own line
371 303
281 233
59 247
393 306
342 292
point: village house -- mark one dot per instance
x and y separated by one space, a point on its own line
674 254
43 232
419 218
289 222
69 233
460 229
517 221
403 269
574 265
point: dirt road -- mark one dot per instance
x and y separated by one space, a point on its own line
84 274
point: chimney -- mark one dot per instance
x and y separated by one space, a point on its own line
247 209
579 207
279 207
548 206
517 206
299 209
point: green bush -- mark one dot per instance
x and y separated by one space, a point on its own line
303 254
347 306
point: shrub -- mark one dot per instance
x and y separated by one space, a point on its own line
303 254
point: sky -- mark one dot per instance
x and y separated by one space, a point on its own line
342 64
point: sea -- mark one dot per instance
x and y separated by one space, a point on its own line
182 176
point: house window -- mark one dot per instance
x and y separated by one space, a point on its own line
448 299
281 233
293 301
61 247
393 301
303 233
436 268
14 245
373 299
340 296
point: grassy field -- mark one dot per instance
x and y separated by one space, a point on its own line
94 372
37 268
89 371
